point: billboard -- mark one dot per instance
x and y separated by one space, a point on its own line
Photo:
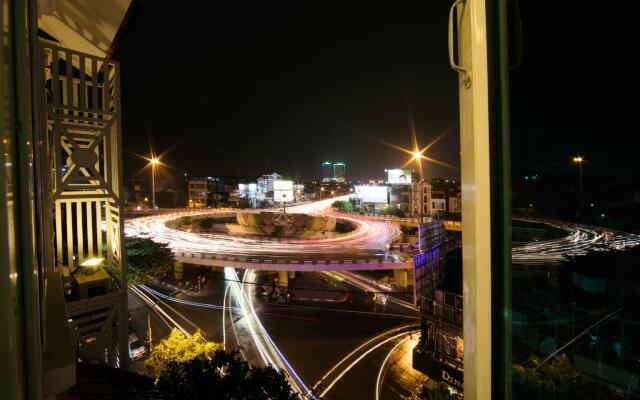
282 195
372 194
282 191
399 176
282 185
247 190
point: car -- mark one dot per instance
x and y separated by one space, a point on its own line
137 348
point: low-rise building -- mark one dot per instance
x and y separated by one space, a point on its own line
413 199
199 189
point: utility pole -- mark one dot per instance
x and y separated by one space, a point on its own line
579 160
150 340
154 161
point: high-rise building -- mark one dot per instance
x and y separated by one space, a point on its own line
339 174
327 171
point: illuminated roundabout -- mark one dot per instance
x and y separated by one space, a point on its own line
579 240
363 248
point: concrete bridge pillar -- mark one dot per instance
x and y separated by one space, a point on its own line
283 278
402 278
178 269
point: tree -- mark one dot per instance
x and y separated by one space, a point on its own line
344 206
206 223
440 391
392 210
146 259
226 376
557 378
178 348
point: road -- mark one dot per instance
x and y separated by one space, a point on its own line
324 351
580 239
369 239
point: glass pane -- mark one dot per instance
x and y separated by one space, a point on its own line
575 203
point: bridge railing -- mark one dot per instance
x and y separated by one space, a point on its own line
273 260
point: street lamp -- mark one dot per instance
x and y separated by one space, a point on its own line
154 162
284 203
579 160
321 191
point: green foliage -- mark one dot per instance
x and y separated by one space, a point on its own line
366 209
440 392
223 376
278 231
145 259
344 206
206 224
392 210
178 348
556 377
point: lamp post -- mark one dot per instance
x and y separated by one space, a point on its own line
579 160
284 203
321 191
154 162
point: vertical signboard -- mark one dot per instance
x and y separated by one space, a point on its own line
429 262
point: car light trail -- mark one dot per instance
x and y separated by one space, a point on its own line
265 345
368 240
242 301
370 285
180 301
363 355
224 325
580 240
155 307
384 363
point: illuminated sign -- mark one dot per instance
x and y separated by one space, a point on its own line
249 190
399 176
372 194
282 185
282 195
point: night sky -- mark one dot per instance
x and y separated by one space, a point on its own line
278 87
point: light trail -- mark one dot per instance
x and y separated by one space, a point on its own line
357 360
288 307
224 311
178 313
242 301
384 363
580 240
357 349
367 240
154 307
371 285
268 350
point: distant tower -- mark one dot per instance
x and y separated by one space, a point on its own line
339 172
327 171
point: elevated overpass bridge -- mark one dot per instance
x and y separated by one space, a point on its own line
368 247
267 263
